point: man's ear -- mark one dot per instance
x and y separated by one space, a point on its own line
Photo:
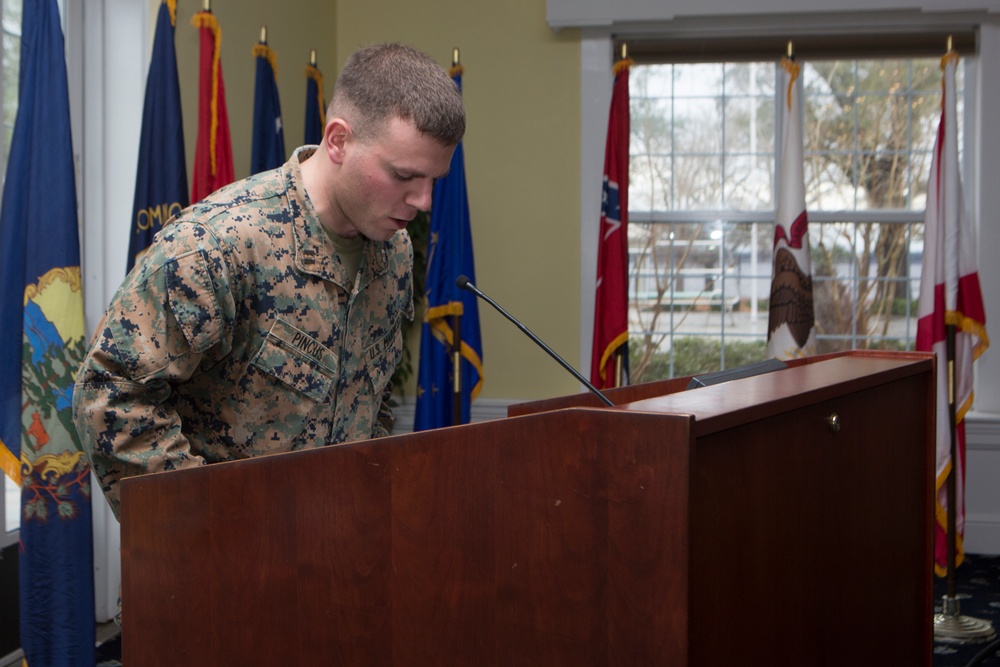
335 137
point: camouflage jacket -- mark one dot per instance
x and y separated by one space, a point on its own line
234 336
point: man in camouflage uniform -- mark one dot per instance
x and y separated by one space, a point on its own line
266 318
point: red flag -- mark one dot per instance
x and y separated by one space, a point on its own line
950 295
611 301
791 322
213 155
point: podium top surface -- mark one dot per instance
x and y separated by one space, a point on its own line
810 376
721 405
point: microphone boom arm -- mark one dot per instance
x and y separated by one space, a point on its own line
463 283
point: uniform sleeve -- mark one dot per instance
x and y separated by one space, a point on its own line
167 315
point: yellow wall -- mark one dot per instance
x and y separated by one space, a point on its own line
522 147
291 37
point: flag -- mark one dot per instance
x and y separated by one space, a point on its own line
315 106
949 295
213 153
611 300
449 255
161 177
791 322
268 151
41 347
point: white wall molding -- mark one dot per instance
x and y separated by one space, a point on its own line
632 13
982 431
982 494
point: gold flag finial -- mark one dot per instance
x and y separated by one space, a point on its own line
207 5
455 61
263 34
791 51
949 44
312 57
624 50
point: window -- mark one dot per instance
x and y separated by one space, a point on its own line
703 179
10 45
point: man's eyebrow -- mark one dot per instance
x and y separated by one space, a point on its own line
413 173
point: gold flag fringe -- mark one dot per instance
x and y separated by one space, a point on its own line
793 69
622 65
207 21
948 58
9 465
264 51
313 73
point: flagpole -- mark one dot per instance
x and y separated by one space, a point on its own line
950 625
953 452
456 363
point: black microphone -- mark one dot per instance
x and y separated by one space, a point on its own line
463 283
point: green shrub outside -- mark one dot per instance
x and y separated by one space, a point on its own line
694 355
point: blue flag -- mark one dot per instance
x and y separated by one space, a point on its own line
449 255
315 106
268 149
41 347
161 177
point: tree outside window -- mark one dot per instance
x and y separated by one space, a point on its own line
701 206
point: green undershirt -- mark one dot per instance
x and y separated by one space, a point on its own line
350 252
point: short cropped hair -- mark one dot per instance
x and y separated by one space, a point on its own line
388 81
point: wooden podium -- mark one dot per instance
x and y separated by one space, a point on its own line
782 519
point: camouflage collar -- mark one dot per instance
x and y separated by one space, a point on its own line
314 253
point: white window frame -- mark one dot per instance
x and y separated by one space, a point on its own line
734 282
10 492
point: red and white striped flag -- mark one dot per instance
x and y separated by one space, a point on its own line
791 323
611 299
950 295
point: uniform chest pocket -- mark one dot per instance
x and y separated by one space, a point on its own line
281 392
298 361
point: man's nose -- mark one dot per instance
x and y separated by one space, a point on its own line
420 196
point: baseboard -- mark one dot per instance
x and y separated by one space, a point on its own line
982 496
982 534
